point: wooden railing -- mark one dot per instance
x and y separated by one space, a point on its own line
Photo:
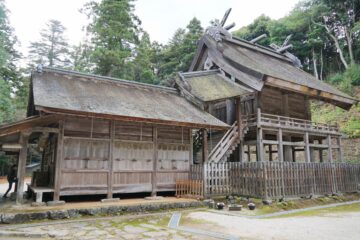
190 188
224 144
270 120
277 179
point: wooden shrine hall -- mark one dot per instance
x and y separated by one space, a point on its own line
240 102
100 135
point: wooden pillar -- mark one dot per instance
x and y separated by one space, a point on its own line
321 152
248 153
330 159
340 150
155 160
111 160
259 138
307 148
191 152
239 123
293 152
280 149
270 153
23 141
205 148
241 152
288 156
58 163
260 145
230 111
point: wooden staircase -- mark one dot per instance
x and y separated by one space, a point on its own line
228 143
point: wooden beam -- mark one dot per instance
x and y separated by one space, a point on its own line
45 130
155 161
23 141
311 92
58 163
111 160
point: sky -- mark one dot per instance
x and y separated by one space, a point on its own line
160 18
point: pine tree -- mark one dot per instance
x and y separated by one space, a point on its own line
52 49
114 29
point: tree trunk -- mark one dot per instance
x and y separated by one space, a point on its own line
338 48
321 64
349 43
316 74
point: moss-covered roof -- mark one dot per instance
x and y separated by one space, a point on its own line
211 85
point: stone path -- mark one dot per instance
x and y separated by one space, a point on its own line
148 227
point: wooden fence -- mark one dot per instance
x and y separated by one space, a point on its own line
276 179
190 188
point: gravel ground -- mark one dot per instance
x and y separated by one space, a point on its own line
330 226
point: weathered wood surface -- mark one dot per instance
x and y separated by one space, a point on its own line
102 156
276 179
189 188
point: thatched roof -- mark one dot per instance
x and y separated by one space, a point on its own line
210 86
60 91
255 65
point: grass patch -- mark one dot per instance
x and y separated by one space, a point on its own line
321 212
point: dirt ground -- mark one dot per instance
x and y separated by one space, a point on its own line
331 224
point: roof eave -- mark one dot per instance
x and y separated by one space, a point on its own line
341 101
224 126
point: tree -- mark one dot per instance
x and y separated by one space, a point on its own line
52 49
258 27
9 78
340 19
80 56
177 55
144 64
114 29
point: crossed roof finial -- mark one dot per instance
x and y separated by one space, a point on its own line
219 29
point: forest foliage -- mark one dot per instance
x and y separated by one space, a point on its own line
325 37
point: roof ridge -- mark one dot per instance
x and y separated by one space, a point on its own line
108 79
255 47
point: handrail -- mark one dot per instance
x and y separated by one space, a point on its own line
226 141
288 121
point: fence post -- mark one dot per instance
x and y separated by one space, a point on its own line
205 179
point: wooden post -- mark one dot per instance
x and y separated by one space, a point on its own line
340 151
23 141
293 152
59 159
260 145
205 146
259 138
241 152
270 153
111 160
240 132
191 152
248 153
280 146
307 148
330 159
321 153
153 176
